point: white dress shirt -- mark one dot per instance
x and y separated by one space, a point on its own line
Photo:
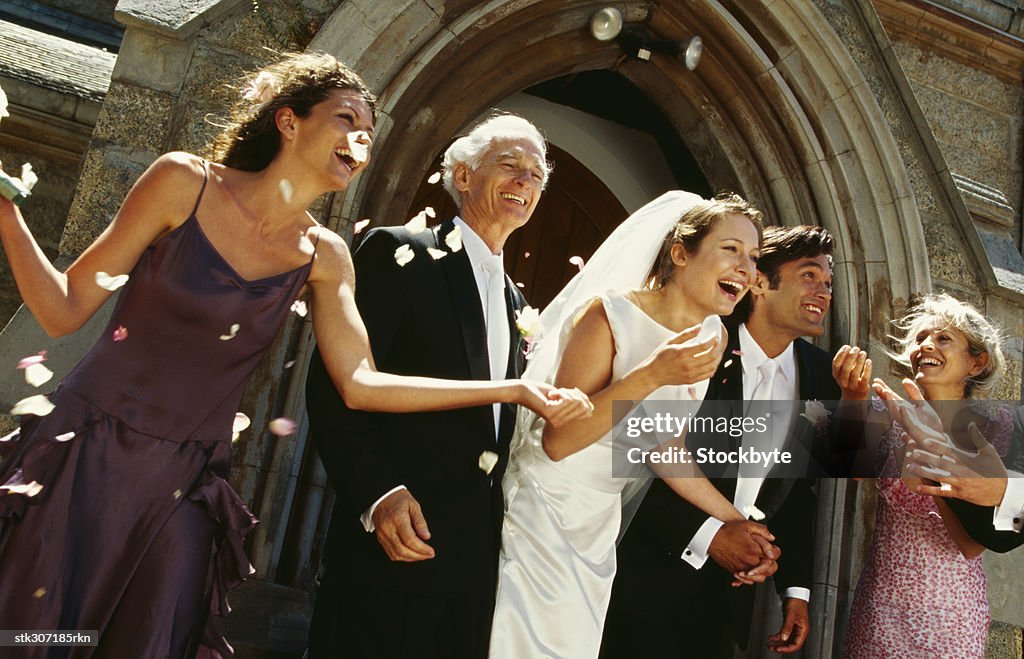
477 250
786 387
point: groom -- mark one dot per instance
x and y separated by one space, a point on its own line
412 550
668 599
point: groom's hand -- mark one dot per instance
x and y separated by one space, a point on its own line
796 623
737 546
401 528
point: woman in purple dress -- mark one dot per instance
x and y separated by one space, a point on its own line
115 514
921 592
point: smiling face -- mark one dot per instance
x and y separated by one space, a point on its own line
715 277
941 360
336 137
797 304
502 192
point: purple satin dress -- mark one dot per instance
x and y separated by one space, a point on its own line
136 533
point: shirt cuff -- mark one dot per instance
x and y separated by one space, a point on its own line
367 517
1009 515
696 553
798 593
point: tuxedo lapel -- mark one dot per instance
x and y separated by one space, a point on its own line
466 302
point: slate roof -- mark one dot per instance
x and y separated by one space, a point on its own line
54 63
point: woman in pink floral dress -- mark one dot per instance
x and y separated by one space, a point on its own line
921 592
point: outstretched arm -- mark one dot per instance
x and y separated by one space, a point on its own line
63 301
345 347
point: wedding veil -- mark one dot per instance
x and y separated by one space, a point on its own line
621 263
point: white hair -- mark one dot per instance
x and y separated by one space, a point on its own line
470 148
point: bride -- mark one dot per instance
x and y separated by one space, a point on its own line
624 329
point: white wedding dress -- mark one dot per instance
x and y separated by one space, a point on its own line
562 519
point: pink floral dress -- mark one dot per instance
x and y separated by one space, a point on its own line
917 595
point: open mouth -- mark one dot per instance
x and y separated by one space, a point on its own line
813 308
928 362
731 288
345 156
514 197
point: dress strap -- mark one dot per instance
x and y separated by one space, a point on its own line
206 178
316 238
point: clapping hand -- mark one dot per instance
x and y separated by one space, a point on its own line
978 477
913 410
851 370
674 363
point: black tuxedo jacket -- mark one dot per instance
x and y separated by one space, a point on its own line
665 523
977 520
423 319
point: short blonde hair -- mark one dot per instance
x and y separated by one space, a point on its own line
982 337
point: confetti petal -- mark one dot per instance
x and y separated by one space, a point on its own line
487 461
282 427
727 364
753 512
520 284
436 254
65 437
434 178
110 282
289 363
28 177
37 375
232 333
176 494
737 352
120 334
417 224
40 592
577 261
16 485
360 225
454 239
299 308
3 104
39 405
358 145
241 422
403 255
287 191
262 88
429 210
526 255
11 435
37 358
945 487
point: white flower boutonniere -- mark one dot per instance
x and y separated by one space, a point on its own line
528 324
817 414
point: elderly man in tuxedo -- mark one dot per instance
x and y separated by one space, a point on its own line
412 551
669 599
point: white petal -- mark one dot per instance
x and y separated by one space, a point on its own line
357 145
417 223
176 494
289 363
38 405
287 191
945 487
299 307
577 261
360 225
28 177
11 435
436 253
282 427
40 592
727 364
65 437
429 210
403 255
434 178
3 104
487 461
28 489
37 375
110 282
454 239
232 333
241 422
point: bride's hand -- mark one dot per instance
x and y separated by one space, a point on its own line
675 364
556 405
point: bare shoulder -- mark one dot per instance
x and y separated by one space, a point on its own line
591 326
333 259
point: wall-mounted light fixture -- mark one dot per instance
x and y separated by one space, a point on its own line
636 39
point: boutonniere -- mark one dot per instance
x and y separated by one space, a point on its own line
816 414
528 324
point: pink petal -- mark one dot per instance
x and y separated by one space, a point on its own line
577 261
120 334
738 353
360 225
37 358
282 427
526 255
